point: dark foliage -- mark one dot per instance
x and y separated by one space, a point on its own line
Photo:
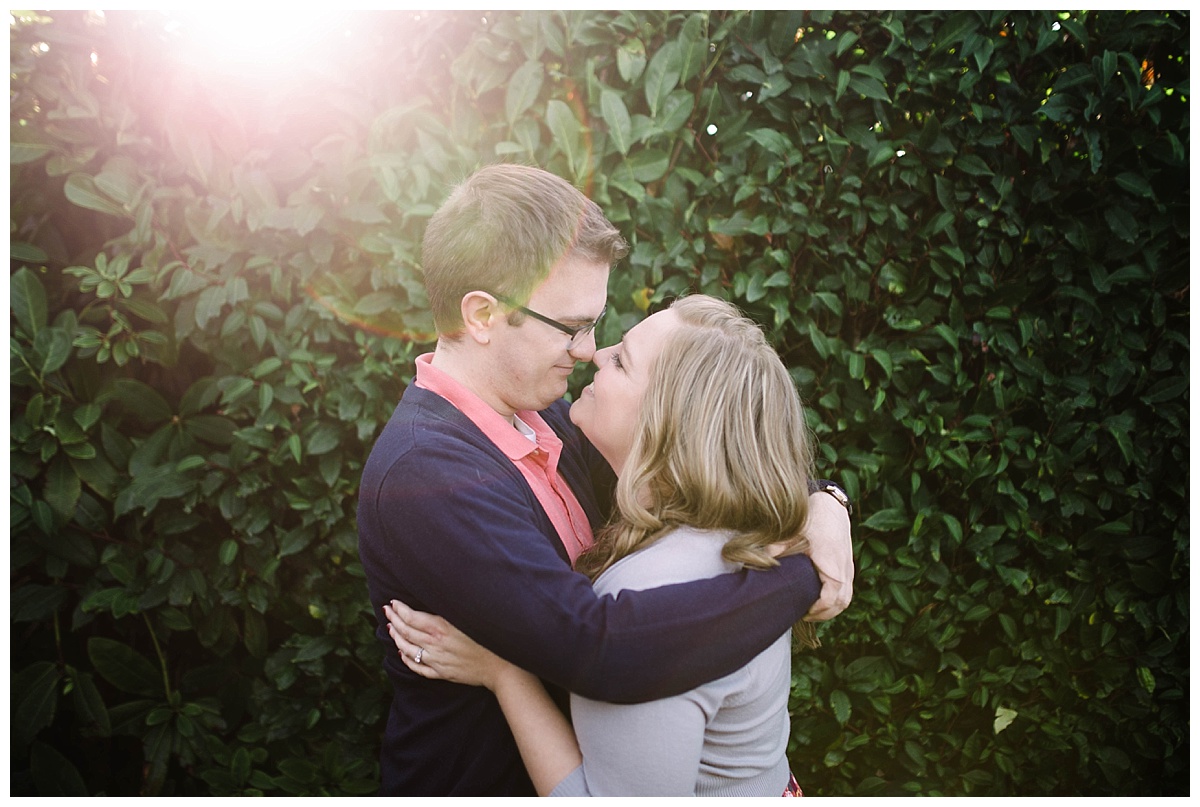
967 233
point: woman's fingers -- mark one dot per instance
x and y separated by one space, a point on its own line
408 654
419 620
401 618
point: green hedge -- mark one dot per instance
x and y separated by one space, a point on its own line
967 234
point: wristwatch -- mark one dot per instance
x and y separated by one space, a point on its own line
834 490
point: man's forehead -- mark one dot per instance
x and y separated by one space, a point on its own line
578 287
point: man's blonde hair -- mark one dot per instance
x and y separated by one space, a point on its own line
721 443
503 230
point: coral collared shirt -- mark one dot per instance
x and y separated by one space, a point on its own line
534 451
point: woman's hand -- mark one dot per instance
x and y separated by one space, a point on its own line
544 737
444 651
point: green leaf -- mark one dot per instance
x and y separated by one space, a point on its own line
843 81
648 165
26 253
81 190
213 429
1004 719
631 59
27 298
845 41
880 153
370 305
889 519
869 88
983 54
233 389
62 488
209 305
148 489
87 415
1166 390
565 127
88 703
315 647
1146 679
773 141
53 774
662 75
20 153
840 703
118 180
523 89
972 165
955 28
617 117
676 111
36 603
124 667
324 439
33 700
1135 184
1122 223
54 345
138 399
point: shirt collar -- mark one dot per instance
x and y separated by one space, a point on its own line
493 425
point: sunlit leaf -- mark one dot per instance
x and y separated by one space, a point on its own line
1004 719
523 89
617 118
81 189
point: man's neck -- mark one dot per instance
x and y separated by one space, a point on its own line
460 365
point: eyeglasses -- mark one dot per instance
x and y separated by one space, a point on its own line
577 332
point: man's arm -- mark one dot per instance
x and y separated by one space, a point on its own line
455 535
827 529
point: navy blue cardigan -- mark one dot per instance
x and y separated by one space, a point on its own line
448 525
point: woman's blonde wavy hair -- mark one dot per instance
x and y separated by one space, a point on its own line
720 443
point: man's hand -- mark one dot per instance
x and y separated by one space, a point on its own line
828 532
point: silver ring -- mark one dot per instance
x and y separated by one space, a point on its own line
417 657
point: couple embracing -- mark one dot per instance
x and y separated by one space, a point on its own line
634 559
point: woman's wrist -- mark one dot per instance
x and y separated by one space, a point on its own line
505 677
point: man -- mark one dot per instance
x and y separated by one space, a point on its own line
480 493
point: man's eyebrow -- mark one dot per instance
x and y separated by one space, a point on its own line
580 320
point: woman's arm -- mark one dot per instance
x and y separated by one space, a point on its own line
544 737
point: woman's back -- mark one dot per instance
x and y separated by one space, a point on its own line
726 738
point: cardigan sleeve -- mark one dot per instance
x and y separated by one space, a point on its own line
453 532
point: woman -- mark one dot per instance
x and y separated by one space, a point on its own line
702 423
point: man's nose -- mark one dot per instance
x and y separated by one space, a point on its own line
585 350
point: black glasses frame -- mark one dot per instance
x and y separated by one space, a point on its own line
575 332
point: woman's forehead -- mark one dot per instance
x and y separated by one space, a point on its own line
647 337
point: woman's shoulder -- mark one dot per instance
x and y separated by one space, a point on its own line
680 556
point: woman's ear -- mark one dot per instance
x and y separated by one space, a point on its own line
479 313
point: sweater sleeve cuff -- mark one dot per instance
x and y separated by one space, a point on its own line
803 581
575 784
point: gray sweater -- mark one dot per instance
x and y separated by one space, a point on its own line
725 738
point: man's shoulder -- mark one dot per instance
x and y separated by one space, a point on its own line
427 431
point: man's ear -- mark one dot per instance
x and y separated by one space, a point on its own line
479 312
